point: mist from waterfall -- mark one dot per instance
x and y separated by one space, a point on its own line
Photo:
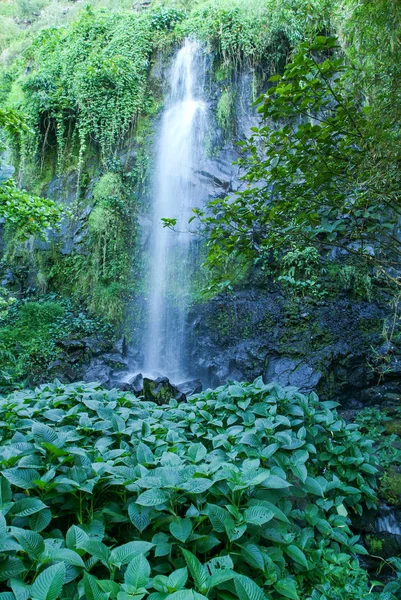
180 147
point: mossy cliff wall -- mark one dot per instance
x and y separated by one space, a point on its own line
93 93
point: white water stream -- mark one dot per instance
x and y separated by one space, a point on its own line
180 147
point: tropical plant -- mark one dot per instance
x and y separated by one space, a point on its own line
242 492
319 171
26 214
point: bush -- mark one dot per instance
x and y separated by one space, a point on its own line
243 492
29 331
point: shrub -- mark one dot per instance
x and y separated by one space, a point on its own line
29 332
242 492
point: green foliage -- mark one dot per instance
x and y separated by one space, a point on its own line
300 270
90 77
224 112
256 31
324 177
27 215
355 280
102 271
24 213
29 332
241 492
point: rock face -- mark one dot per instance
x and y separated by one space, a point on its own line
326 346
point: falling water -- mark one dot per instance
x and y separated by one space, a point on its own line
179 151
388 520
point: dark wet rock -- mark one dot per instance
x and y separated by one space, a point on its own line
62 370
97 345
98 372
129 383
116 361
160 390
188 388
367 522
8 278
122 346
287 371
71 346
384 545
325 345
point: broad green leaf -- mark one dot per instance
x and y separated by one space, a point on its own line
177 580
152 498
22 478
138 572
296 554
196 452
96 549
75 537
20 588
39 521
275 483
181 529
69 557
30 541
5 495
258 515
253 556
7 596
10 567
220 577
92 588
247 589
125 553
287 588
139 516
313 486
49 583
144 454
27 507
186 595
197 570
198 485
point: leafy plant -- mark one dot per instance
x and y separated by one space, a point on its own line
24 213
30 332
315 171
242 492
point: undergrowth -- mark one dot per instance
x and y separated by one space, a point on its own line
242 492
30 332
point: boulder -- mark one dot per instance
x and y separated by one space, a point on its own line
130 383
116 361
98 372
160 390
188 388
122 346
288 371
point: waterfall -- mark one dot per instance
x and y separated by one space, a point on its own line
388 520
179 150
